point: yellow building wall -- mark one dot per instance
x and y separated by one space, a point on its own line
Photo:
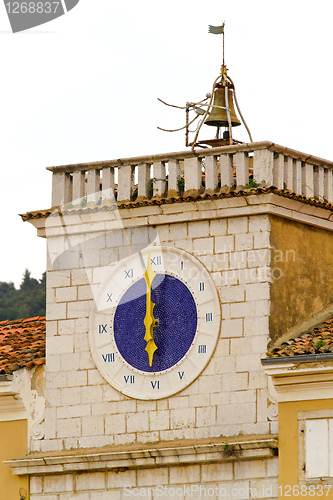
302 263
13 444
288 447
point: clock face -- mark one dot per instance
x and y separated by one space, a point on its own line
155 324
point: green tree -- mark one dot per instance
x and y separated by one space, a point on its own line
26 302
28 283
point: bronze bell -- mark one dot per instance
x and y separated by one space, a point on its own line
218 117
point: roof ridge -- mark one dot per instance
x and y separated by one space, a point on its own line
35 318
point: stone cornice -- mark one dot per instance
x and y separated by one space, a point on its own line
302 382
158 455
79 222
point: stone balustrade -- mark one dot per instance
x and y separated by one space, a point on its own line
193 172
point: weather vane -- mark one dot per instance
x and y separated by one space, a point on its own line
217 30
216 109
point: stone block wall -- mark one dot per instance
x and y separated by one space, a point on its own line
228 398
255 479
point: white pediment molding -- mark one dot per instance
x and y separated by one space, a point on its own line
230 449
297 381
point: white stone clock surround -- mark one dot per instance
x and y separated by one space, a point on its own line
115 369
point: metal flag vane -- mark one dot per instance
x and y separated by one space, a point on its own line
218 30
216 109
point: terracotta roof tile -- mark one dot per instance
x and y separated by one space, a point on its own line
224 193
22 344
319 340
30 319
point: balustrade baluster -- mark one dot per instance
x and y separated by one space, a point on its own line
298 177
278 171
227 170
263 162
143 181
319 183
159 179
242 168
93 185
61 188
173 178
193 176
288 173
211 177
125 182
108 183
308 181
328 186
79 181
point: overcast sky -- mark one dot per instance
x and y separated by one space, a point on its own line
84 87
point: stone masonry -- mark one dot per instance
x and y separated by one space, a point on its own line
228 402
229 397
239 480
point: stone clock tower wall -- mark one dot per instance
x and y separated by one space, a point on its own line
227 399
220 432
227 405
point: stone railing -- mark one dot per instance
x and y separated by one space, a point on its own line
189 173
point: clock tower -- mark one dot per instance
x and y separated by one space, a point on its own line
160 307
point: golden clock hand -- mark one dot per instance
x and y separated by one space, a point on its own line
149 320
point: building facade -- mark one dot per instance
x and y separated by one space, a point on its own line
22 403
160 308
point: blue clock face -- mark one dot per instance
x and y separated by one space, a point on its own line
177 318
156 323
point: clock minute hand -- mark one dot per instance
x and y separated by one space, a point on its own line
149 320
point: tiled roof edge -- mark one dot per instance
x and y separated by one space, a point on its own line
22 320
22 344
297 358
304 327
305 336
42 214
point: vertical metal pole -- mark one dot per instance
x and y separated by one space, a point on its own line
186 132
228 113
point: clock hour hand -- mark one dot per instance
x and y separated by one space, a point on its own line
149 320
